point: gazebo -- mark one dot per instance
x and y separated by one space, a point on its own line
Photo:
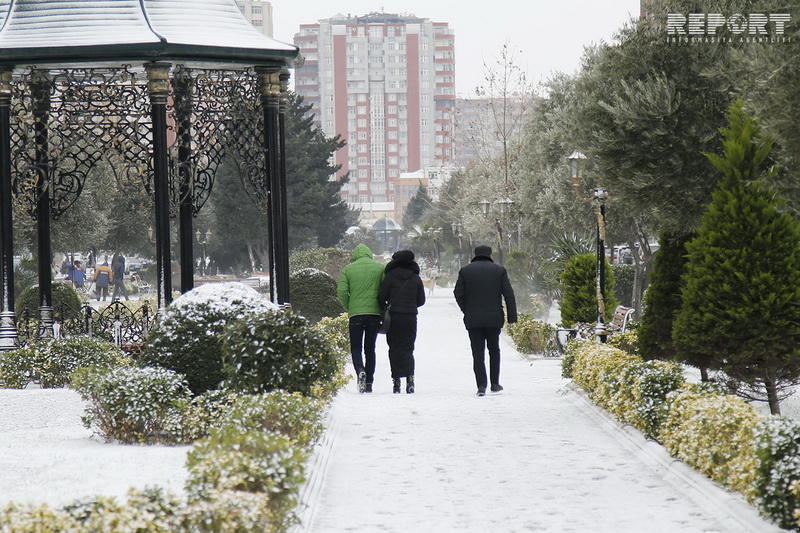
160 91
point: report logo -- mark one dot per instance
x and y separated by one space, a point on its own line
703 28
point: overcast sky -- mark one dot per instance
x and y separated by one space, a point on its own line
549 35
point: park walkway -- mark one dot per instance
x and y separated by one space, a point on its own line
533 458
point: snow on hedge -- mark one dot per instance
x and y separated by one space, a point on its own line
221 297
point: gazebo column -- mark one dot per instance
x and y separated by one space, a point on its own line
8 329
283 228
40 92
183 120
158 87
269 88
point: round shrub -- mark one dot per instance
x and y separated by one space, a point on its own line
778 451
290 414
231 510
66 302
187 337
276 350
134 405
313 294
266 463
532 336
51 362
329 260
578 290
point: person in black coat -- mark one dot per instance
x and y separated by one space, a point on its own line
479 289
402 292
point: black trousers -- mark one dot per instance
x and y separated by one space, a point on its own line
481 339
400 338
363 334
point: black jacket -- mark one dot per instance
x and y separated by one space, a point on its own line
479 289
402 287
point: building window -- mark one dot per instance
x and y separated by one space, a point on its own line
256 10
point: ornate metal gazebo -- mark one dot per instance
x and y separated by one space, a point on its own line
160 91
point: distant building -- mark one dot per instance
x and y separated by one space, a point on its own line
477 125
407 185
259 13
386 84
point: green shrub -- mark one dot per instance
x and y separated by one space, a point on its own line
66 302
714 433
290 414
778 450
51 362
231 510
276 350
207 410
314 294
599 370
578 294
187 338
134 405
568 360
623 286
337 334
648 384
260 462
532 336
329 260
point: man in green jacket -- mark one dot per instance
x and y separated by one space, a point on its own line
358 291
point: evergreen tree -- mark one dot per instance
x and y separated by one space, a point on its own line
740 311
663 298
579 290
416 208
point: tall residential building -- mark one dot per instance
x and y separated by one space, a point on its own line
259 13
386 84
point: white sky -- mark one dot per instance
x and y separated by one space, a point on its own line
549 35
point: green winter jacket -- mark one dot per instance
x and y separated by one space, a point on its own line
360 282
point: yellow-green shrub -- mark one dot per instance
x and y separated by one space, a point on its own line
532 336
337 334
796 492
598 369
34 518
627 342
714 433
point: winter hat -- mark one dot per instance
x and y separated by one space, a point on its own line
483 251
403 256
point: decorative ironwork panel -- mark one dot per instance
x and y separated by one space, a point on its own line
92 115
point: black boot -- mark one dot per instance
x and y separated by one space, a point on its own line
410 385
396 385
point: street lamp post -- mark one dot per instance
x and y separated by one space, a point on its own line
504 205
202 240
599 198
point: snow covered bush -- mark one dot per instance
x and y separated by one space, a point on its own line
51 362
276 350
187 338
627 342
230 510
329 260
34 518
314 294
532 336
715 434
134 405
261 462
778 451
598 369
336 332
291 414
647 385
568 359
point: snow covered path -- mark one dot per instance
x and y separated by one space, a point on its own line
442 460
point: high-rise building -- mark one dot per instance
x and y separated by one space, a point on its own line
259 13
386 84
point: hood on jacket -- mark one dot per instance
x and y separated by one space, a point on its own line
361 250
405 262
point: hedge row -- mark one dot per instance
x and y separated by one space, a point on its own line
532 336
718 434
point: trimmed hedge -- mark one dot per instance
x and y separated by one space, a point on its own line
314 294
51 362
718 434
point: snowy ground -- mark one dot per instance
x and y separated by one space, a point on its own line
46 455
529 459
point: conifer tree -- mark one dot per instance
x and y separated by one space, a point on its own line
579 290
663 298
740 309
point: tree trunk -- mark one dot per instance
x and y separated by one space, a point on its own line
772 393
252 257
704 375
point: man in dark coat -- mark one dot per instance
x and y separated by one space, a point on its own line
402 292
479 289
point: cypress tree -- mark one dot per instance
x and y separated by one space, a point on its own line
740 309
579 290
662 301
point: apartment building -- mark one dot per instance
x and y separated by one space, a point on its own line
386 84
259 13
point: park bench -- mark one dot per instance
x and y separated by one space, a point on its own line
618 324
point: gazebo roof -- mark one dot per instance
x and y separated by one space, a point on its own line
97 31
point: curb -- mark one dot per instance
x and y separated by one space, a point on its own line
317 466
732 511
